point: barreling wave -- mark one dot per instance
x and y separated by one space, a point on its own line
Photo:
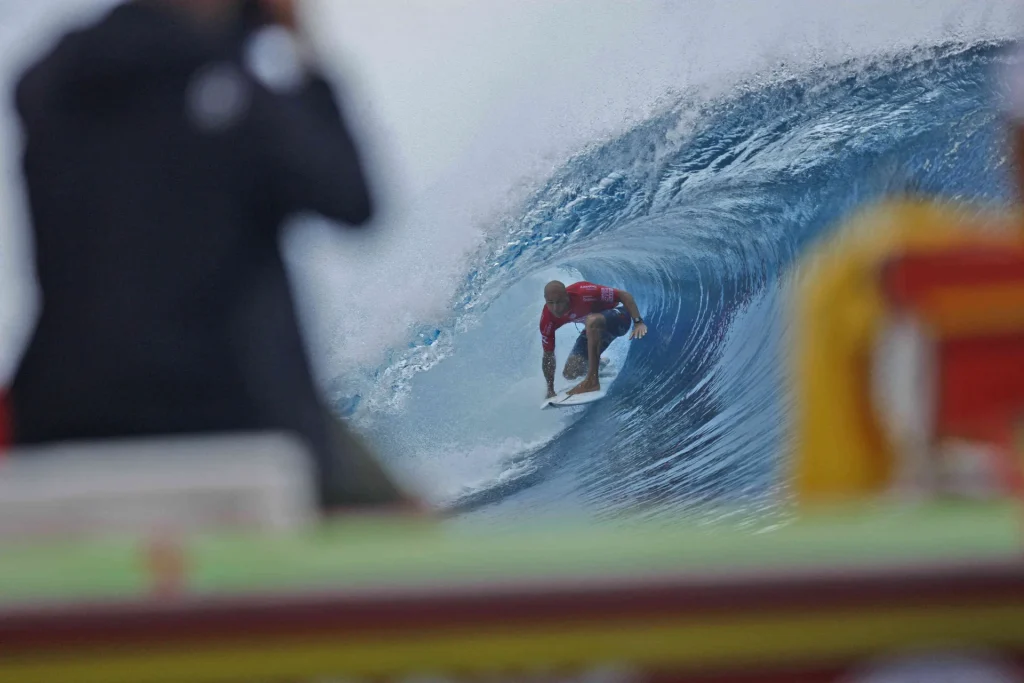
700 212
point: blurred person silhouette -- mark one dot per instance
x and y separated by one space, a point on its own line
164 147
1012 75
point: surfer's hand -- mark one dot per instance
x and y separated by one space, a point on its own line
639 330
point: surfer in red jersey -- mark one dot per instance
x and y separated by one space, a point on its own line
606 313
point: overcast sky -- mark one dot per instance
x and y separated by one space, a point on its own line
462 104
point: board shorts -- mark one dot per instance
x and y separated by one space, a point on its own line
616 324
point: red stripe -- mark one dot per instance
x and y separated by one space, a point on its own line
979 378
241 619
908 278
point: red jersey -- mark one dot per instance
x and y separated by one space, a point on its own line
584 298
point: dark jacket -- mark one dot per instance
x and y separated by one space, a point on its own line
159 173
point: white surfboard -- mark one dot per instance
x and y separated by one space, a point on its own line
606 373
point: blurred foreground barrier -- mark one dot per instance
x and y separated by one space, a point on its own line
863 596
174 485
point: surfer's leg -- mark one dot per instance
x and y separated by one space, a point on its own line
596 326
595 330
607 325
575 366
576 363
617 324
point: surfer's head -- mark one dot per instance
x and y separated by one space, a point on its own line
556 298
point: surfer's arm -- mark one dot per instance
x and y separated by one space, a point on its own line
547 341
629 302
639 328
549 371
548 328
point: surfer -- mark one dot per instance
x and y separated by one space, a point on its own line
606 313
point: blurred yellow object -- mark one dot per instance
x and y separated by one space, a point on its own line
841 450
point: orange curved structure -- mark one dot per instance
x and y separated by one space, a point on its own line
946 285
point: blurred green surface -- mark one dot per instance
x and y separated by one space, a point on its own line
364 553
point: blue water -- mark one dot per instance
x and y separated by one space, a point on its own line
700 212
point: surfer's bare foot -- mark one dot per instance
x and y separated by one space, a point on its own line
587 385
551 393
